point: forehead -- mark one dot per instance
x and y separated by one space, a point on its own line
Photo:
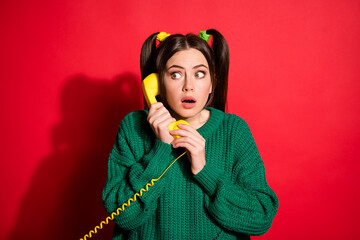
187 58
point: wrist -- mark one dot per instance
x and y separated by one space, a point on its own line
196 168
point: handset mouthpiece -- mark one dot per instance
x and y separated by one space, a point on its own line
174 126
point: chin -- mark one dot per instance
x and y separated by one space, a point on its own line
188 113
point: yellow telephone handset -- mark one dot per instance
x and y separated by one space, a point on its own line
150 86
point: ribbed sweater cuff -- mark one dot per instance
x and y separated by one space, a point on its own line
158 158
208 178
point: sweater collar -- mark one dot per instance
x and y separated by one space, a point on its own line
216 117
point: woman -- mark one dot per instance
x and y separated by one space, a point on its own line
218 190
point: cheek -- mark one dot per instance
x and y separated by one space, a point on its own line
170 91
207 87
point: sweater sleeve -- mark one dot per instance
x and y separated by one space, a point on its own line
128 175
244 202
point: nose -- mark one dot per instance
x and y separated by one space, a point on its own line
188 84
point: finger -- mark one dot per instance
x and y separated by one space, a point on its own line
189 146
195 142
188 128
157 113
183 143
184 132
154 107
163 120
194 135
198 143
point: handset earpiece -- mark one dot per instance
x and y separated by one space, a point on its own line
150 86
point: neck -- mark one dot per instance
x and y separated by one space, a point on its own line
196 121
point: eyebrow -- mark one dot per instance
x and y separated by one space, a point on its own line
177 66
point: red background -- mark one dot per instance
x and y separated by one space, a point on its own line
70 72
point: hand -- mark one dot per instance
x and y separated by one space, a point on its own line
194 144
159 119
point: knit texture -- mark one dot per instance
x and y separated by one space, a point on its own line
228 199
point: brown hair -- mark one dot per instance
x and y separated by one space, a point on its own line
153 60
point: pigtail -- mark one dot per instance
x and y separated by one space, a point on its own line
222 61
147 56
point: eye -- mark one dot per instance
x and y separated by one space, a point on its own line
200 74
175 75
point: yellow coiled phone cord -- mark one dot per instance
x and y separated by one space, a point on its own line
122 208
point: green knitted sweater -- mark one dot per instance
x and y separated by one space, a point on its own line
228 199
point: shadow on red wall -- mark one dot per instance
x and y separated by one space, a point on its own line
64 197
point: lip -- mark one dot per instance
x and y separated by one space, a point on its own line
188 102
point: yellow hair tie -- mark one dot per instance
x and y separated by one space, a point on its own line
162 36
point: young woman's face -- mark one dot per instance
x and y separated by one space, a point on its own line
187 83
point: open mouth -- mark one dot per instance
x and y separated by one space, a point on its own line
188 102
